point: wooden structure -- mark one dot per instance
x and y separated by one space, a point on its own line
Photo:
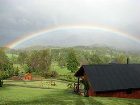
28 76
109 80
1 83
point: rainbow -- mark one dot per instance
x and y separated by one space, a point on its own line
64 27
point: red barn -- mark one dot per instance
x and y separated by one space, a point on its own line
28 76
109 80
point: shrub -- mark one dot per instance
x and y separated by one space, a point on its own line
52 74
70 85
69 77
16 72
3 75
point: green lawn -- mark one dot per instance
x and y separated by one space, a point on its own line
11 55
32 93
61 71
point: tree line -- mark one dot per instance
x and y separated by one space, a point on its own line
40 61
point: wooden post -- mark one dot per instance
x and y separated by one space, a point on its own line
78 85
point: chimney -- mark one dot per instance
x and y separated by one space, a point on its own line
127 60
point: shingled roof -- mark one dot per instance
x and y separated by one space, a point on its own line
112 77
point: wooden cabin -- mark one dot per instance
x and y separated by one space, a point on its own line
109 80
28 76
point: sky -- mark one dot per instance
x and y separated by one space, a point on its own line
19 18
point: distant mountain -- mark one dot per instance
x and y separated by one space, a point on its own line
38 47
103 48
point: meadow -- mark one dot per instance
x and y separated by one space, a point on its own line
41 93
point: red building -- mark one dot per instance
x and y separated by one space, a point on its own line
109 80
28 76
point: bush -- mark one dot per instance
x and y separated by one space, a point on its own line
3 75
16 72
70 85
69 77
50 74
54 74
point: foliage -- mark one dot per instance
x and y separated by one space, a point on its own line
16 71
32 60
27 68
22 57
121 58
93 59
69 77
58 69
72 62
62 60
13 58
70 85
54 74
51 74
39 61
44 61
6 67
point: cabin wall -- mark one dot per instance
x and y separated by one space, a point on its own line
121 94
91 92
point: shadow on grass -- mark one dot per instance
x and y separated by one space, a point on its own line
60 97
26 86
4 87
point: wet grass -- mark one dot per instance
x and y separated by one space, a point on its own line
21 94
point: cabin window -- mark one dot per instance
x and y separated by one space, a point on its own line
129 91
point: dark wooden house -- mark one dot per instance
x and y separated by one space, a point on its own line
109 80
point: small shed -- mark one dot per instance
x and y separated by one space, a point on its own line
28 76
112 80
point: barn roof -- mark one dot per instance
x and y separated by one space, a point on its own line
112 77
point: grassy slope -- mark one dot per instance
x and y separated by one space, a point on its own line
23 94
11 55
61 71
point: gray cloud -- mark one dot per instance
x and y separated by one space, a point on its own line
19 17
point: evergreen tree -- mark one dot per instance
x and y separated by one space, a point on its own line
121 59
72 62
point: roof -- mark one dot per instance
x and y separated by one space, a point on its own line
112 77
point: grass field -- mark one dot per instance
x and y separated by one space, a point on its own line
61 71
11 55
32 93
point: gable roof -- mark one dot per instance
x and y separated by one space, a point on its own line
112 77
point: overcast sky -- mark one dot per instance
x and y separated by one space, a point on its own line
20 17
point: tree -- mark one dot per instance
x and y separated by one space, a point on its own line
72 62
32 61
105 59
40 61
62 60
6 67
93 58
121 59
22 58
45 61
